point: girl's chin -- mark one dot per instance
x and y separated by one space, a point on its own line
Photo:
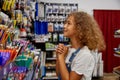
65 35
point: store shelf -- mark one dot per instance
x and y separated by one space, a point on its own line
117 70
117 55
50 78
116 36
53 58
50 67
50 49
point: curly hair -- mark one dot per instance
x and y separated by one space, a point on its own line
89 32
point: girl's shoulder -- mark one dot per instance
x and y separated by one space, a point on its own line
85 51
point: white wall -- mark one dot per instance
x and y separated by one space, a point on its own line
89 5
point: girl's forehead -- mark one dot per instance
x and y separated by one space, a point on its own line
70 18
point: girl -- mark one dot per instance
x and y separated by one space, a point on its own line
77 62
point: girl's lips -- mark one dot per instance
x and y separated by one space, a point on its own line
64 30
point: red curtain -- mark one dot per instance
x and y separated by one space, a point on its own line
109 21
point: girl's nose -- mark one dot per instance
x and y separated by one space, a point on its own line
64 26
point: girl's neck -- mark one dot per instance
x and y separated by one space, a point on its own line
75 43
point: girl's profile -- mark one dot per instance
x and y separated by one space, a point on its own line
76 62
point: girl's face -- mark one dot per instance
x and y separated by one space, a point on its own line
69 28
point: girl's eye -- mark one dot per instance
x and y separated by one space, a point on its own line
64 22
68 23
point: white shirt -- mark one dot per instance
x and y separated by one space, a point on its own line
83 62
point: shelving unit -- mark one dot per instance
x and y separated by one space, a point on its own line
116 70
117 50
50 65
55 14
19 17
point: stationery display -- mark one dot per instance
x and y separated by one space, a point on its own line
19 58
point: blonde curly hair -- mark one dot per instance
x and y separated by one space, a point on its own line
89 32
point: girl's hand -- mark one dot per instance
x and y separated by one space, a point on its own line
61 51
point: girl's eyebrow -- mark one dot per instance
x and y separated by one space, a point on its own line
66 21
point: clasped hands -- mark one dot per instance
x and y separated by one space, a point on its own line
61 51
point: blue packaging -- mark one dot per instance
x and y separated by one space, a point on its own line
1 60
36 7
45 27
39 27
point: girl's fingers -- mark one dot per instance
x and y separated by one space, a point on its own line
59 50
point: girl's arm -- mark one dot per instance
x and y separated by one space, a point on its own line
57 67
61 51
63 69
